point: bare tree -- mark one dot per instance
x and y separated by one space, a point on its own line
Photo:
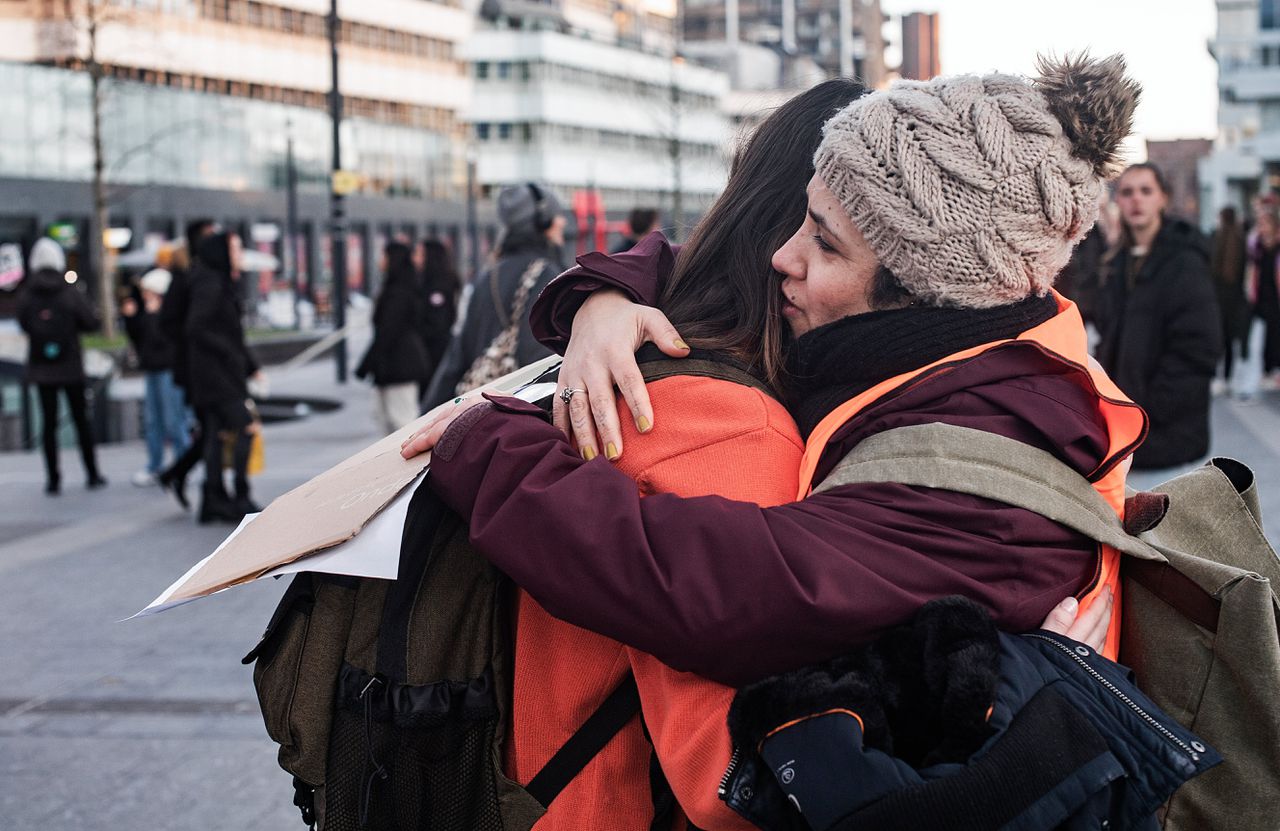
84 22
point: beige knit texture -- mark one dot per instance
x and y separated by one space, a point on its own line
965 187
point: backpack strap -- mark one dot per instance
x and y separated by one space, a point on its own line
654 366
983 464
596 732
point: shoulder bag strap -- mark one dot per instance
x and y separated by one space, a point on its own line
654 366
596 732
983 464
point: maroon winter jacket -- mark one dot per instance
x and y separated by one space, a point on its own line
736 592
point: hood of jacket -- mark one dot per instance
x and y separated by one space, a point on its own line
48 281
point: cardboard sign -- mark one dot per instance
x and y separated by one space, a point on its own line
328 510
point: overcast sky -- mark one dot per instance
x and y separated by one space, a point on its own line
1163 41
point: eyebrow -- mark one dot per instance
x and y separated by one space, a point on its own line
817 217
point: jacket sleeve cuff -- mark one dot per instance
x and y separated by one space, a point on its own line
551 318
461 459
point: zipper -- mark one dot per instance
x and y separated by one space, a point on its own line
734 760
1143 714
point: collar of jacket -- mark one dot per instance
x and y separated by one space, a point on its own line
835 362
1174 236
1062 339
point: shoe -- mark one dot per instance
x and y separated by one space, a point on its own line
96 481
1219 387
53 487
144 479
215 507
245 505
176 485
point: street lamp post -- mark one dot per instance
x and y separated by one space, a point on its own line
291 226
337 206
473 228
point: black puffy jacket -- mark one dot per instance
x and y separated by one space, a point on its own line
1161 341
218 360
946 723
54 314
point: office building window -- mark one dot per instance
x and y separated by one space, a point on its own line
1269 14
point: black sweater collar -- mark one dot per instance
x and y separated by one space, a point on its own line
835 362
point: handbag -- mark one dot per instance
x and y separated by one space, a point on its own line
499 357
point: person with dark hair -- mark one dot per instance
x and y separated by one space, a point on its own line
1262 280
397 359
54 315
494 337
1227 265
218 366
1158 320
640 223
441 285
172 322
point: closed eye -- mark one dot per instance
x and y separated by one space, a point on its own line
823 244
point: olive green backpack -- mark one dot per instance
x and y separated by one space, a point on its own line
390 699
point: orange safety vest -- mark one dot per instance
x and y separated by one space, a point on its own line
1063 337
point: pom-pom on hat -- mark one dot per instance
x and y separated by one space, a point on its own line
973 190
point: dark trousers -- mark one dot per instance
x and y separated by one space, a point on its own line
1270 314
80 417
226 418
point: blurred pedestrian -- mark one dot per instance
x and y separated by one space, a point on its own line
1227 264
173 322
54 315
164 411
640 223
441 285
1080 278
1262 278
218 367
494 337
397 359
1158 320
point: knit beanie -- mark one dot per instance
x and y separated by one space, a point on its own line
973 190
519 210
156 280
47 254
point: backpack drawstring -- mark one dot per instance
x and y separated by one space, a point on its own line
379 772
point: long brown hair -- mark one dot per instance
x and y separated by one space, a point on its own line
724 294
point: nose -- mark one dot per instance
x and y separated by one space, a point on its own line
786 260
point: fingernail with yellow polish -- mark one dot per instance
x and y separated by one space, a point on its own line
680 344
611 451
588 453
644 424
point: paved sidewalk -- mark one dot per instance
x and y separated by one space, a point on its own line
153 723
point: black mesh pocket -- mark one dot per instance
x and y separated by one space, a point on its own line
412 769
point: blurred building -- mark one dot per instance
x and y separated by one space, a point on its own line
920 47
1246 153
200 101
1179 160
837 37
583 100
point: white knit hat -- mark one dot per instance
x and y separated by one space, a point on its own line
156 280
973 190
47 254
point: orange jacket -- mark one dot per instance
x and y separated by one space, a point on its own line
710 436
1063 336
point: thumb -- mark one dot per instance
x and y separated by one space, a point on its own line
656 328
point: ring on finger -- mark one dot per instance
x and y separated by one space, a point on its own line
567 394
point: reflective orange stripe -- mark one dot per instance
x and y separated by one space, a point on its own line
796 721
1063 337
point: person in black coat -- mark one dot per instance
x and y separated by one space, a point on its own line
218 365
533 232
54 315
441 285
173 320
397 359
1158 318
